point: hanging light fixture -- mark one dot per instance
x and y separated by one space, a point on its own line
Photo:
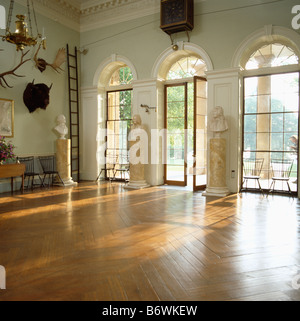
22 37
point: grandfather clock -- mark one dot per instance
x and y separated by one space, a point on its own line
176 15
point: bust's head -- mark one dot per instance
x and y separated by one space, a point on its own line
61 119
136 120
218 112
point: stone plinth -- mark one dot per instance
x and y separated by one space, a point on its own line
63 162
137 173
217 169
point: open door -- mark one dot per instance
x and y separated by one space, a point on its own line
200 134
176 125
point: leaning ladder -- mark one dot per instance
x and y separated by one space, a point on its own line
74 113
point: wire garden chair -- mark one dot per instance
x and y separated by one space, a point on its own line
109 167
48 164
30 172
252 169
123 167
281 171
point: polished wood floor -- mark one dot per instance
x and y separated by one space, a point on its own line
101 242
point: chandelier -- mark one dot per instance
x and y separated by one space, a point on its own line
22 37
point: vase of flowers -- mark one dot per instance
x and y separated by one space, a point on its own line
6 151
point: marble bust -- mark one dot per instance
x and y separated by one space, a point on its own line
136 122
217 122
61 128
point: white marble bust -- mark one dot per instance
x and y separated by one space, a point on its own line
61 128
217 122
136 121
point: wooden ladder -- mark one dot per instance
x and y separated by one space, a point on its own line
74 113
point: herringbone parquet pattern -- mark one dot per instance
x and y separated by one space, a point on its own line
101 242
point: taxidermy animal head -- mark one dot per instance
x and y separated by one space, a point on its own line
36 96
60 58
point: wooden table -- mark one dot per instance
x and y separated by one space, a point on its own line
11 171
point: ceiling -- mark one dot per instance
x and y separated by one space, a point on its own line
86 15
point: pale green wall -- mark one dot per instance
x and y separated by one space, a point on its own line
34 132
220 26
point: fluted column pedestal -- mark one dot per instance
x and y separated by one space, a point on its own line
217 169
137 177
63 162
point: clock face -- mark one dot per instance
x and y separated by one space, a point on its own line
173 11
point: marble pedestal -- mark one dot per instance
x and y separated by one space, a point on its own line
137 185
217 169
137 177
63 162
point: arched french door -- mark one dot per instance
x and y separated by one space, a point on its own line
118 122
185 123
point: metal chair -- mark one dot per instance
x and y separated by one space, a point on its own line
281 171
30 173
252 169
122 167
48 164
109 167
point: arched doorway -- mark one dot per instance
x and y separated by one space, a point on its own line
185 123
185 112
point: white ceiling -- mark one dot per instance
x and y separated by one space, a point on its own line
86 15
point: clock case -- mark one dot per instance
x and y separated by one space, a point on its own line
173 20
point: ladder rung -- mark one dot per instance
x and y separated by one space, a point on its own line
70 55
73 78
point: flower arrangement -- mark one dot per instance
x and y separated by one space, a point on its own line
6 150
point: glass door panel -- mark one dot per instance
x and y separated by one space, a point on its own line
119 105
176 125
200 133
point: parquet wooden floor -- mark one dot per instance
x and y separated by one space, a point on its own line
101 242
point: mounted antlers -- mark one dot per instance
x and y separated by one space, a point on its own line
60 58
3 81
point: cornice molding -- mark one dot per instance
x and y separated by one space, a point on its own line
117 11
61 11
93 14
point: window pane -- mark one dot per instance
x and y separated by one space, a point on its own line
122 76
250 123
187 67
268 130
272 55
